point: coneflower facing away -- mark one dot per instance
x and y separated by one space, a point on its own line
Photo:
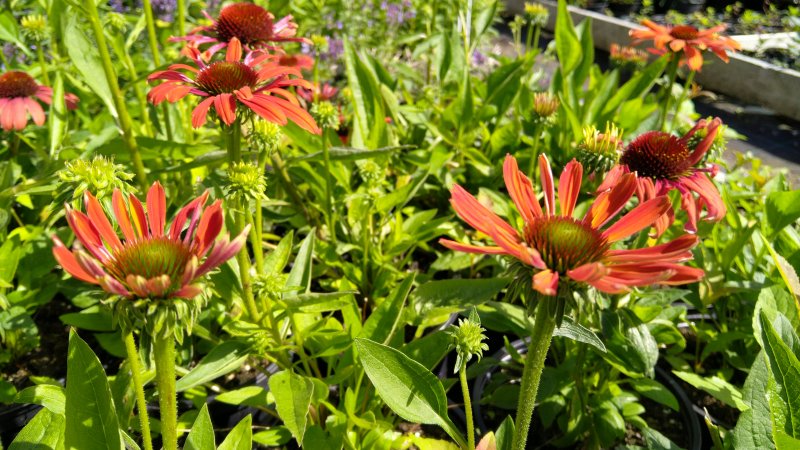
257 83
19 93
560 248
151 261
663 162
253 26
687 39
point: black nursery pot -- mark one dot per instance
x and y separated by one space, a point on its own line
620 9
689 420
13 419
597 6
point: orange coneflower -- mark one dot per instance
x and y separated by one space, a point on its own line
152 261
561 248
298 60
663 162
252 25
258 84
18 95
688 39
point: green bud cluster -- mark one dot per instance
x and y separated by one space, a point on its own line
537 14
99 176
246 180
34 27
467 337
326 114
265 136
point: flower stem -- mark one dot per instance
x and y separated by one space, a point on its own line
138 386
541 335
286 180
164 353
462 375
181 7
331 214
686 87
151 32
42 63
672 71
537 132
124 119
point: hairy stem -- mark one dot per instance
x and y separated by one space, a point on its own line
164 353
462 375
138 386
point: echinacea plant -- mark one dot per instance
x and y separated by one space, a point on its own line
565 254
663 162
19 93
153 274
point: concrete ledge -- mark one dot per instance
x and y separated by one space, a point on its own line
749 79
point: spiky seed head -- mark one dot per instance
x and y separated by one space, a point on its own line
326 114
467 337
34 27
598 152
99 175
246 180
265 136
537 14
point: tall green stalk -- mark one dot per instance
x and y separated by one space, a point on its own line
686 87
151 32
672 73
42 63
544 324
462 376
124 119
181 7
164 353
331 214
138 386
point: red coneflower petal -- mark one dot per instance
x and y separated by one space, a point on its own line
638 219
200 112
673 251
122 216
295 113
234 52
588 272
469 248
521 191
546 282
609 203
87 234
156 209
138 217
547 185
478 216
225 105
180 219
18 113
569 187
209 227
705 189
35 110
68 261
101 222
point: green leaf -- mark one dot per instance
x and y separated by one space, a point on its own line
638 85
276 261
631 347
248 396
201 436
221 360
350 153
657 441
785 370
47 395
428 350
315 302
44 432
93 318
382 323
240 437
408 388
91 420
58 114
10 254
9 31
503 85
754 428
505 434
455 295
83 54
577 332
273 437
568 46
717 387
7 391
782 209
300 275
292 398
654 390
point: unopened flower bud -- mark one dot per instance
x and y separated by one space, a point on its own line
467 338
598 152
265 136
34 27
99 176
326 114
537 14
246 180
545 105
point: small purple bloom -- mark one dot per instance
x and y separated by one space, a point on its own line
335 48
479 59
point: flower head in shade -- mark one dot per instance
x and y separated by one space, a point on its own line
663 162
298 60
252 25
627 57
562 249
258 84
19 93
687 39
317 93
151 261
545 105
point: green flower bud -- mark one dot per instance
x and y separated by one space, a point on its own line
246 180
467 337
598 152
265 136
545 106
116 22
34 27
326 114
100 176
537 14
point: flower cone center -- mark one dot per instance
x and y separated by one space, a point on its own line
565 243
684 32
656 155
248 22
150 258
17 84
224 77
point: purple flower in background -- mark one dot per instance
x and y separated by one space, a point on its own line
398 13
117 5
478 58
164 9
335 48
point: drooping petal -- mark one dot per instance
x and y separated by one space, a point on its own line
68 262
200 112
546 282
101 222
469 248
588 272
610 202
638 219
225 105
122 216
35 110
209 227
676 250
